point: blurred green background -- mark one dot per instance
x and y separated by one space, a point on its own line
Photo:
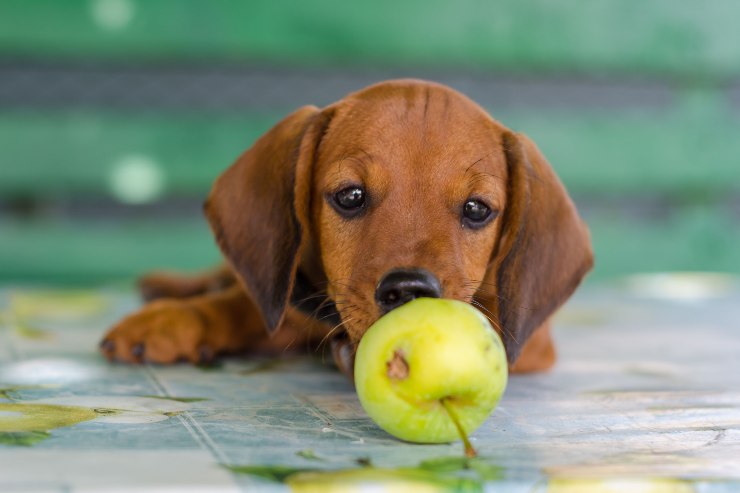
116 115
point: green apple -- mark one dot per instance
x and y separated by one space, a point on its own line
431 371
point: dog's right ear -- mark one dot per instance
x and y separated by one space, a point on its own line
545 249
252 209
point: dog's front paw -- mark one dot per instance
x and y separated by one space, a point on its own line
164 331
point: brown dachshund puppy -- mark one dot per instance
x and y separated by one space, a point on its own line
337 215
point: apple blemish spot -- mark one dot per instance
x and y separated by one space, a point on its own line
397 368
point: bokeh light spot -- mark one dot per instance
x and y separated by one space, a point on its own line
112 14
682 286
136 179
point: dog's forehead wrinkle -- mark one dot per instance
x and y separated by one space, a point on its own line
358 154
387 134
479 163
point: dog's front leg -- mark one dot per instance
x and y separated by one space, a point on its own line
193 329
198 328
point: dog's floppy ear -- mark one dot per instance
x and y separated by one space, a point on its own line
256 216
545 247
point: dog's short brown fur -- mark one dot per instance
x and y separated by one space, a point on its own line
420 150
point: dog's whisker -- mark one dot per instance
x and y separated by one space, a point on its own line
290 344
318 294
335 328
350 287
313 317
490 319
482 307
496 324
323 305
496 295
315 314
328 334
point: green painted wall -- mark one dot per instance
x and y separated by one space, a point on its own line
683 153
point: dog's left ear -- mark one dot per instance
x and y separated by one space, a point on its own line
257 210
545 247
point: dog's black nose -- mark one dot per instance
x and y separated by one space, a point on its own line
400 286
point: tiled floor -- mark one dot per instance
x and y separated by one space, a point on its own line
646 395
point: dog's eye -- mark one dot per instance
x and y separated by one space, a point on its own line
350 198
349 201
477 214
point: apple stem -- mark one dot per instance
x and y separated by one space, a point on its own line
469 450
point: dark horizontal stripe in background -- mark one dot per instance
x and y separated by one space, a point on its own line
643 208
223 87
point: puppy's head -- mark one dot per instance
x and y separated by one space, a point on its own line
402 190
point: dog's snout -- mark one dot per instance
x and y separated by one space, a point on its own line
400 286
